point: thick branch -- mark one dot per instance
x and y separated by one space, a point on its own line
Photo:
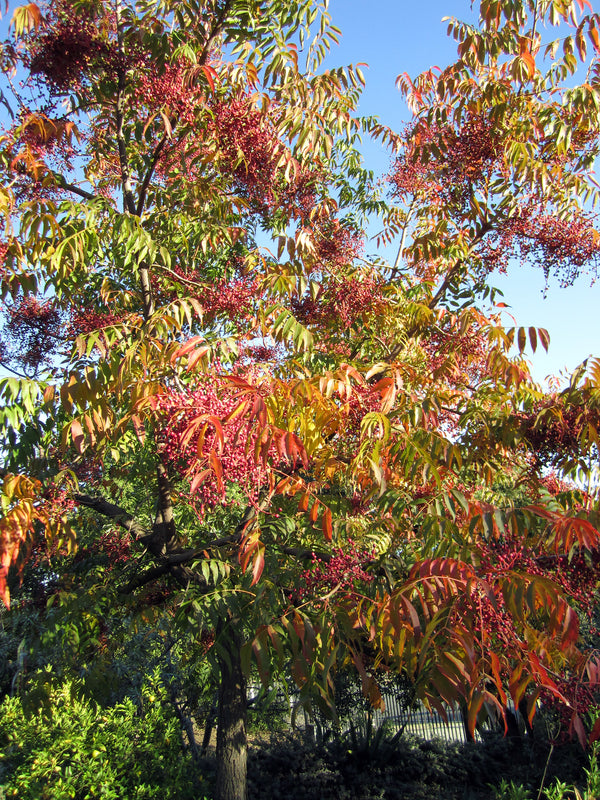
149 173
163 531
154 541
112 511
137 581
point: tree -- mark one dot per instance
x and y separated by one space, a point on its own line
306 448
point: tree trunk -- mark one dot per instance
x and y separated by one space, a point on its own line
232 742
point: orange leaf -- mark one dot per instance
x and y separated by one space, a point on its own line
77 434
473 710
314 512
327 524
4 593
217 467
259 563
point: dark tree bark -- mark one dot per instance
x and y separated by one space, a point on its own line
232 741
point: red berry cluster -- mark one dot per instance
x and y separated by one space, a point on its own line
459 356
83 322
337 245
58 502
69 47
343 572
237 455
167 89
472 151
469 154
554 484
581 698
3 253
344 301
575 576
250 152
35 330
411 174
561 246
260 353
116 545
553 429
233 300
249 146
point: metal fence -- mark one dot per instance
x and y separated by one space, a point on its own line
417 720
421 722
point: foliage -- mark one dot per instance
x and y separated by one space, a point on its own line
558 790
294 456
417 769
71 747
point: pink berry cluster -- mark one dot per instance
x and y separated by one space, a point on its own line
249 146
236 455
553 429
233 300
337 244
69 46
3 254
167 89
343 572
575 575
470 154
344 300
563 246
460 356
83 322
251 152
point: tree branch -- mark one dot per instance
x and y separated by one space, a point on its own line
112 511
71 187
137 581
149 173
452 272
217 25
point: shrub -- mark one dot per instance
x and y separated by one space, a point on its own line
72 749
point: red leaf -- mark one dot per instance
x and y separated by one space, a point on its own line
210 74
578 727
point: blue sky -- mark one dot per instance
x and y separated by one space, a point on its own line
394 36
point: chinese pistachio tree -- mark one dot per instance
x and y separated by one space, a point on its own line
317 457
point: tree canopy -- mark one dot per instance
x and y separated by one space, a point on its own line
311 457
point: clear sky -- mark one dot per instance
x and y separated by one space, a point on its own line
395 36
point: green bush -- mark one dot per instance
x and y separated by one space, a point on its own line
72 749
